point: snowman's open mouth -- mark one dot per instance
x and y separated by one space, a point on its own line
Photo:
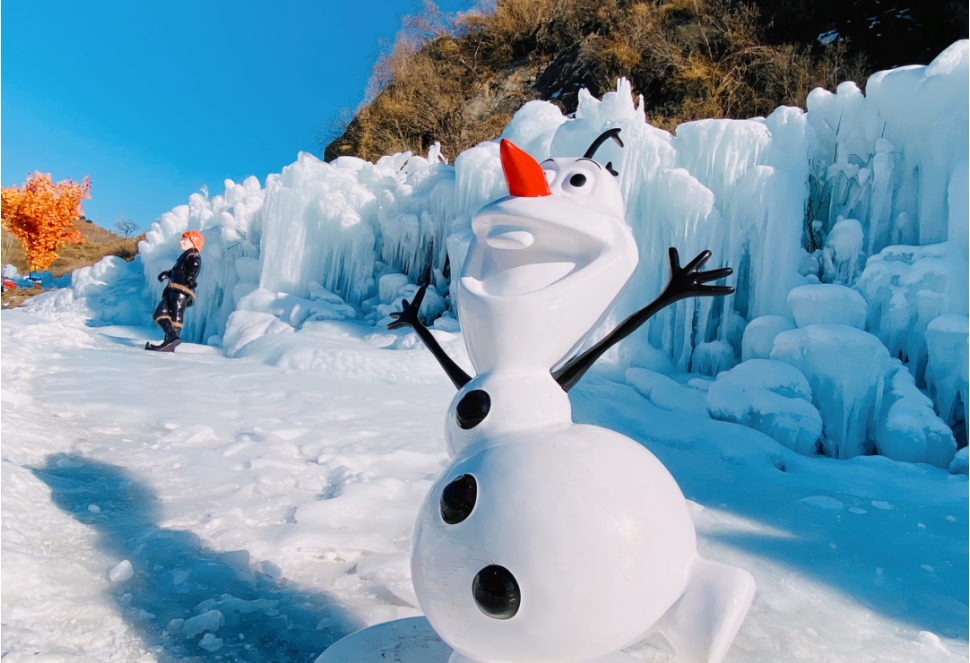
526 256
520 279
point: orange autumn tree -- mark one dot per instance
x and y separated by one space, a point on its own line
42 214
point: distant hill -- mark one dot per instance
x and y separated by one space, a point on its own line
458 80
99 242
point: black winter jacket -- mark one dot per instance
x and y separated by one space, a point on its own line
185 271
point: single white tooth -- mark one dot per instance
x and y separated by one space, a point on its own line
502 238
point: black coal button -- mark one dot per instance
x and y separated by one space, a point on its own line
496 592
458 499
473 408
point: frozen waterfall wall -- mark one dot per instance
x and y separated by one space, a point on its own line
863 190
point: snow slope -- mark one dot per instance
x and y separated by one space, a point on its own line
265 504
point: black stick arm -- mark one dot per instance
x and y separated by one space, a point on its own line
684 283
573 370
459 377
409 317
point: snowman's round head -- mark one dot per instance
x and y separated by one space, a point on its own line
547 261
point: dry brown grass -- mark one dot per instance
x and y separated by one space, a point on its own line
98 244
458 80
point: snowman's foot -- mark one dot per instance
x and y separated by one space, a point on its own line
410 640
615 657
702 624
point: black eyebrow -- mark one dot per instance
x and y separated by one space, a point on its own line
579 159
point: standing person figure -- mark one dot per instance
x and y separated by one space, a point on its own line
179 294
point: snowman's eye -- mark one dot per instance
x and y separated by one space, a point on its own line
581 182
458 499
496 592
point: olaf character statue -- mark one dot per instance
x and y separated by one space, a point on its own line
546 540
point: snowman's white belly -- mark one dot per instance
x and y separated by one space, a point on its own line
591 526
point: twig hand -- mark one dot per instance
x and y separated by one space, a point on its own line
688 281
408 316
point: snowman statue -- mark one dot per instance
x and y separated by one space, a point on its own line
546 540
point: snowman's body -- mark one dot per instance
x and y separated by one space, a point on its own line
593 529
546 540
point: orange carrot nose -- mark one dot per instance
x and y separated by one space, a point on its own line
523 175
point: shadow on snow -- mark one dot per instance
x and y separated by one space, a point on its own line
881 558
177 578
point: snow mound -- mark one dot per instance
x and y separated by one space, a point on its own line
664 392
868 401
110 291
245 327
293 310
775 376
822 303
961 462
759 336
846 368
771 397
909 429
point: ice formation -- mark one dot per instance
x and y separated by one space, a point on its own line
759 336
908 428
772 397
868 400
854 208
823 303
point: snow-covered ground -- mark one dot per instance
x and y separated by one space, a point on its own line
194 507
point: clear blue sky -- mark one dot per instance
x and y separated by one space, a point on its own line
153 100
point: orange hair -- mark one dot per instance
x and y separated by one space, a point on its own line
195 237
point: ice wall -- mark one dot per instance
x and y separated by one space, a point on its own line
866 191
339 226
886 158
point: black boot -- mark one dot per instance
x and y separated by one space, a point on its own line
171 340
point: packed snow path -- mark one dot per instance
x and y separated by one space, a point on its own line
191 507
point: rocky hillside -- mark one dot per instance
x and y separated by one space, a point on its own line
458 80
